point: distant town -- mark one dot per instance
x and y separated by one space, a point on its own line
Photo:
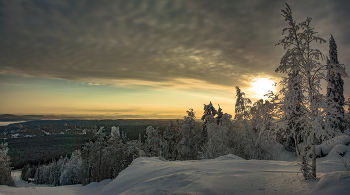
53 129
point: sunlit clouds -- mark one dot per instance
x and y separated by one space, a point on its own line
150 57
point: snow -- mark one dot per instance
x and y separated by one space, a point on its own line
334 183
326 147
23 188
227 174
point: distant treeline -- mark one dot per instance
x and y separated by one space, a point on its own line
105 123
43 149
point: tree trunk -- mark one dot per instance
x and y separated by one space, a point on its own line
313 169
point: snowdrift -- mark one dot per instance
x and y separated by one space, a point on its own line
224 175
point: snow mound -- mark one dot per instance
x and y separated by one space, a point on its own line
227 174
94 187
334 183
229 157
326 147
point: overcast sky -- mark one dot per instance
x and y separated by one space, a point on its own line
149 58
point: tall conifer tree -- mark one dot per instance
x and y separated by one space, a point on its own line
335 90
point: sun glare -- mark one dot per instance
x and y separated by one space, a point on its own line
261 86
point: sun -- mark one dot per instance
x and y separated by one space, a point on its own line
261 86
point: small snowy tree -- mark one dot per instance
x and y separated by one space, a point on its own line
208 117
217 131
191 138
263 141
242 106
152 142
171 137
5 169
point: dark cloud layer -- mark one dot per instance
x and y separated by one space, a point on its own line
219 42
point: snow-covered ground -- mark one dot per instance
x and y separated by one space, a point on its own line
23 188
224 175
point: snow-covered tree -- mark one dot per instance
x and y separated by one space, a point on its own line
5 169
171 137
293 109
191 138
303 113
71 173
153 141
242 106
263 143
217 144
208 117
219 139
335 118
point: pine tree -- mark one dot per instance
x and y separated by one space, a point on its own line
335 118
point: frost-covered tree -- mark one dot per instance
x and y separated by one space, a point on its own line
171 137
253 135
335 118
191 138
71 173
302 86
293 109
208 117
5 169
242 106
152 142
219 138
263 143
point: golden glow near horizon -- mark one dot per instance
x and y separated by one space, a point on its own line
39 96
260 87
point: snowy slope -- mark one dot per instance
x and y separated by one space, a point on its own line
23 188
224 175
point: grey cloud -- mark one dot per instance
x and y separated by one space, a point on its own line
150 40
